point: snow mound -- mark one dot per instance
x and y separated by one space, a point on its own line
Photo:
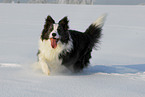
9 65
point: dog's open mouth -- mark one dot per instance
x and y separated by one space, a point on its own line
54 42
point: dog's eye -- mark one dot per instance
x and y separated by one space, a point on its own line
58 29
51 27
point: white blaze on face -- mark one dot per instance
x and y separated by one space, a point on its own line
55 26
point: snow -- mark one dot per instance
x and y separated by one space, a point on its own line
117 68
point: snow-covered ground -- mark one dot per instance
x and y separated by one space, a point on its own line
117 68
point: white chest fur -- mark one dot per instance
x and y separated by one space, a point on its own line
51 55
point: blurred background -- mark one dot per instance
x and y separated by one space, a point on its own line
87 2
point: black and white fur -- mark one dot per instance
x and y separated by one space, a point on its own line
68 47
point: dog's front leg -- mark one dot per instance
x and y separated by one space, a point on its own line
43 64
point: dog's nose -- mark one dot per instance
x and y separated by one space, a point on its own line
53 34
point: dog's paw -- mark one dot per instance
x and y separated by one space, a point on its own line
44 67
46 71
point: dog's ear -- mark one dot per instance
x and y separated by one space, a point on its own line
48 22
64 23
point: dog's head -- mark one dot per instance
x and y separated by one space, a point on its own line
55 32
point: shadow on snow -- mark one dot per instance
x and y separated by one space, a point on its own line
120 69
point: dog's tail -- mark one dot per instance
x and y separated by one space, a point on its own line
94 30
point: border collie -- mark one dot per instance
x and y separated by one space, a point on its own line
60 46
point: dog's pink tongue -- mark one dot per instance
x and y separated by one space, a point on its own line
53 43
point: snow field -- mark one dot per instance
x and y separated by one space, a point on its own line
117 68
